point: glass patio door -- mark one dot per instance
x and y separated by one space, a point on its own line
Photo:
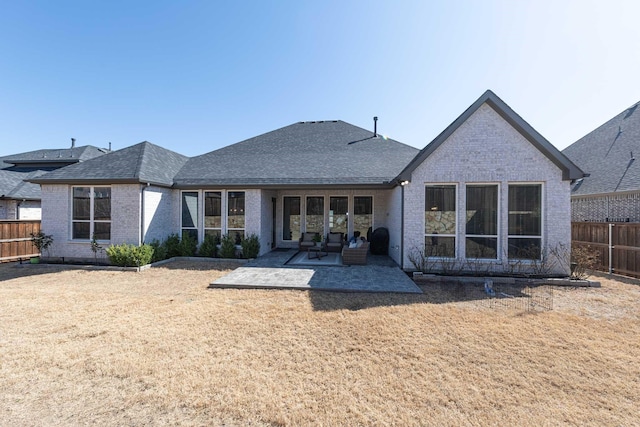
338 208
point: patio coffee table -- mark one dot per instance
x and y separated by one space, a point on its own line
318 252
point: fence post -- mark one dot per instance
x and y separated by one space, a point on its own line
610 247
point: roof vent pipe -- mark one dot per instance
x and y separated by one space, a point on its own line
109 146
375 127
73 142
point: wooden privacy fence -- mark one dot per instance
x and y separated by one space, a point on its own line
15 239
616 243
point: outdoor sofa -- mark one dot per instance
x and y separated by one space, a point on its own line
351 256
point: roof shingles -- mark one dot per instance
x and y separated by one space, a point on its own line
608 154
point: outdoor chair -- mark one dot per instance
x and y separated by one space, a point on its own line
306 241
334 242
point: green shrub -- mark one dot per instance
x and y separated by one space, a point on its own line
126 255
188 245
227 247
250 246
209 248
172 245
159 250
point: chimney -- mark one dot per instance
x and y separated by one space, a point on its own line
109 146
375 127
73 142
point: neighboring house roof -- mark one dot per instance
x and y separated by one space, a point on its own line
329 152
569 170
52 158
14 186
16 168
608 155
140 163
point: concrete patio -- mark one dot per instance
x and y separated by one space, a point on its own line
270 271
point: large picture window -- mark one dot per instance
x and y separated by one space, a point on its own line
362 214
291 218
91 213
235 215
440 221
525 221
315 215
213 214
481 240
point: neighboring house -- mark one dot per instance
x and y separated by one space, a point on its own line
611 191
20 199
488 189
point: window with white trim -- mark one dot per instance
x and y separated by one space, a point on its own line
314 219
91 213
213 214
190 214
440 221
481 238
235 215
525 221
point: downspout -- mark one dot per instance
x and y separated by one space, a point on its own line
142 217
402 228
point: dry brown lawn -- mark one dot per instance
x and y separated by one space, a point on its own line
159 348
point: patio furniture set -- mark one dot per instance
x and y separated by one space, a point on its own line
334 242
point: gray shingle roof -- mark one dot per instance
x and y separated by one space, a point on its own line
56 156
606 155
305 153
140 163
569 169
16 168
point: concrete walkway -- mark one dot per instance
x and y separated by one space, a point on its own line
271 272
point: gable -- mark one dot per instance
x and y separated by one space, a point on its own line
490 100
486 148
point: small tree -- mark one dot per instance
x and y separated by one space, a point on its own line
95 248
42 241
209 248
250 246
227 247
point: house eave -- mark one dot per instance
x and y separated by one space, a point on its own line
98 181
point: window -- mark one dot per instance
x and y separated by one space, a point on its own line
525 221
291 218
91 213
235 215
190 214
315 215
362 214
482 222
213 214
338 208
440 221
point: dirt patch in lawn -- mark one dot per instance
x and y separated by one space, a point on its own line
158 347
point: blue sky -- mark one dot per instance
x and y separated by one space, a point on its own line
193 76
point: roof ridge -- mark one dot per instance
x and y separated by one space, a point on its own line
143 146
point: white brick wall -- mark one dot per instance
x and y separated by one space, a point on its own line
56 219
125 213
158 210
486 149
